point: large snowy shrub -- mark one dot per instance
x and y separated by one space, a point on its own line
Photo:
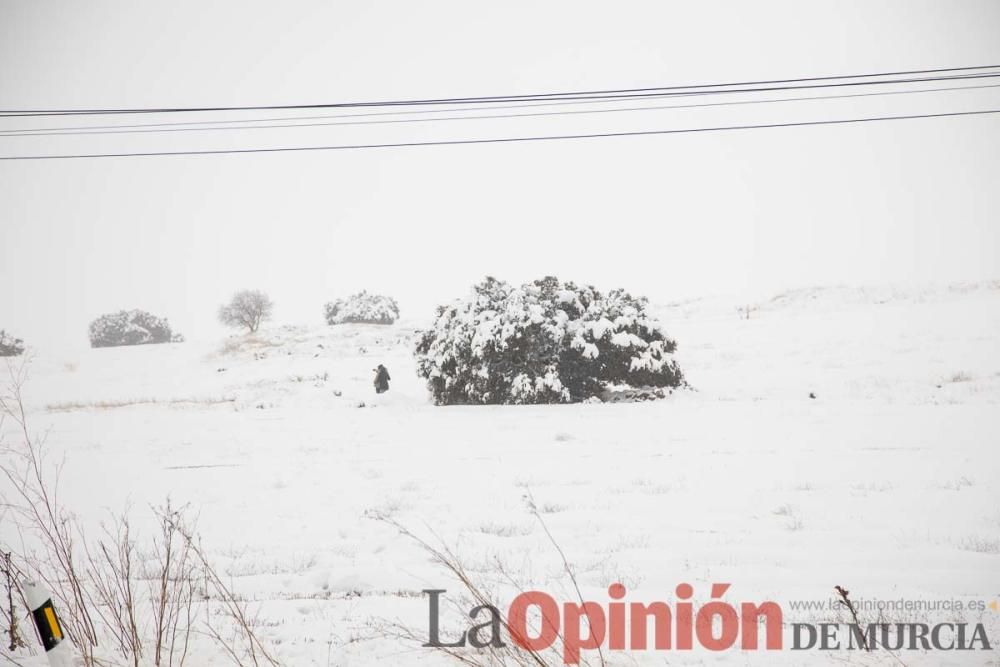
543 342
129 327
10 346
362 308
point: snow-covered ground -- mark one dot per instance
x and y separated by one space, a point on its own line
885 482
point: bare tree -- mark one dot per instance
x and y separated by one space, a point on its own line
247 308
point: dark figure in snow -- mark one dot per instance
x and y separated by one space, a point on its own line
381 379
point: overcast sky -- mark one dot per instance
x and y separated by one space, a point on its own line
667 216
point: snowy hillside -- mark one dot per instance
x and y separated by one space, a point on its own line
281 443
931 346
282 366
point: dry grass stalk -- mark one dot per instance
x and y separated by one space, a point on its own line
490 656
95 582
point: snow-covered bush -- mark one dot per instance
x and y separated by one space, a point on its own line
543 342
362 308
10 346
129 327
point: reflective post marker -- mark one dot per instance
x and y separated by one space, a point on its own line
57 650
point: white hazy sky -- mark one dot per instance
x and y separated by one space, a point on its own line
668 216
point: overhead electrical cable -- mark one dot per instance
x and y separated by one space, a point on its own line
501 140
367 114
126 129
625 93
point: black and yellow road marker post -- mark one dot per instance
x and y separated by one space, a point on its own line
50 631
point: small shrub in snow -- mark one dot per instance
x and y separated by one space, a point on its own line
363 308
10 346
247 308
129 327
544 342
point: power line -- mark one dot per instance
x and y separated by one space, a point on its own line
583 98
127 129
367 114
457 142
504 106
599 94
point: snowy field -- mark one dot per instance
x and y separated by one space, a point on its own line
885 482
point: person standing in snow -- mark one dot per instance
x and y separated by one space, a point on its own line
381 379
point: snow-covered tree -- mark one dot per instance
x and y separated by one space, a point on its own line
543 342
247 308
362 308
9 345
129 327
